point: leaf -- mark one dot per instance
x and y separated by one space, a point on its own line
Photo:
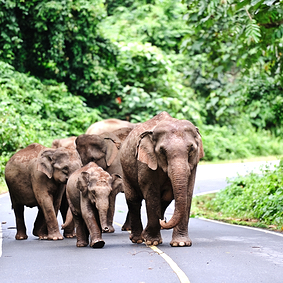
242 4
255 2
269 2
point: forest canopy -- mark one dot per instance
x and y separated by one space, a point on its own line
68 63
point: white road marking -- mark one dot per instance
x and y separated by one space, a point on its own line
179 272
242 226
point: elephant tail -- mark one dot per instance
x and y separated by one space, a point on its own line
69 219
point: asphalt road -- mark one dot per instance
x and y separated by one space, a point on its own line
220 252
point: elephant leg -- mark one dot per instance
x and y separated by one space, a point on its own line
180 236
134 202
135 221
69 230
50 218
110 213
81 231
127 224
91 219
151 234
20 222
39 227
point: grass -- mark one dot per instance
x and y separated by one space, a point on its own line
3 186
201 209
255 200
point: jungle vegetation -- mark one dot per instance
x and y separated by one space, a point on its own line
65 64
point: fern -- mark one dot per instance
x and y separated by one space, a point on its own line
252 32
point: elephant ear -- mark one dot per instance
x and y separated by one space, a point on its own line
112 149
44 163
145 150
200 146
83 182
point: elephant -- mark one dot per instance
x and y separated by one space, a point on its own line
68 229
159 161
88 190
103 149
66 142
108 125
36 176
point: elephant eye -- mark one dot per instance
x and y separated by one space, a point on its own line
162 150
65 170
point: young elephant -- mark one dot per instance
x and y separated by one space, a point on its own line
88 191
159 160
36 176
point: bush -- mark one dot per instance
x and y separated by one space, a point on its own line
238 142
253 197
31 111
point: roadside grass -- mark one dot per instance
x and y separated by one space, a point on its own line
254 200
3 186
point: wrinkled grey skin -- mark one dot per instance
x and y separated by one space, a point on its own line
66 142
104 151
88 191
36 176
69 231
108 125
159 160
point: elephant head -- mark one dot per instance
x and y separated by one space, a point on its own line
95 185
175 147
58 163
101 149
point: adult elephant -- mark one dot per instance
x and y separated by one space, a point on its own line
104 150
36 176
159 160
108 125
66 142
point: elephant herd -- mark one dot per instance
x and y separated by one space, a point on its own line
81 176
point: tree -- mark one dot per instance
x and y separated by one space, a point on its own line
60 40
235 47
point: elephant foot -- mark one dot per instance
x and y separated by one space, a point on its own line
151 241
136 239
81 244
55 237
181 242
42 237
69 234
97 244
126 227
20 236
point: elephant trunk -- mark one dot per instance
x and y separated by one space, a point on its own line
102 211
178 173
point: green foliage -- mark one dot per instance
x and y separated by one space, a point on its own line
243 141
60 40
236 60
152 84
157 22
253 197
34 112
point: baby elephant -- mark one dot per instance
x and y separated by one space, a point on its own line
88 191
